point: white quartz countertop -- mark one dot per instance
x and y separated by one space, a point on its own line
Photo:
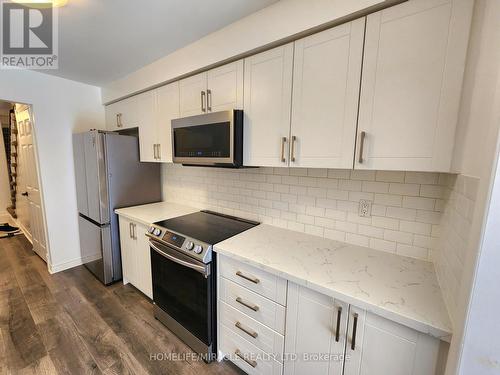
402 289
150 213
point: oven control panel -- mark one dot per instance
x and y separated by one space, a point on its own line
187 245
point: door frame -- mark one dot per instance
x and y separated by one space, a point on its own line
29 107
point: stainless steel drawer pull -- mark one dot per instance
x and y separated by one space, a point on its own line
249 278
292 158
354 329
337 332
203 109
362 137
209 100
249 361
283 141
248 332
246 304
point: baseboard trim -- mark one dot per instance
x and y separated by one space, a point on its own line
55 268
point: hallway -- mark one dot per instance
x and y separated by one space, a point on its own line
69 323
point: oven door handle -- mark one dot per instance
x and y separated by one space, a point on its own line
201 269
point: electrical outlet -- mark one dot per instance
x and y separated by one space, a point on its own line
365 208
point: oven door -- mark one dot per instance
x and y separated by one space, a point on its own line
184 291
210 139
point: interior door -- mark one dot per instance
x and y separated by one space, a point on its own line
225 85
326 79
30 214
267 103
193 95
167 108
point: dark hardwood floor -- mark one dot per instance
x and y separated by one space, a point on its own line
69 323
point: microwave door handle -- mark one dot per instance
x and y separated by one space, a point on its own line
196 267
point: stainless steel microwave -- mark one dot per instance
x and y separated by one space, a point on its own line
212 139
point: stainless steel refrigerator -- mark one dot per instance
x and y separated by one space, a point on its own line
109 176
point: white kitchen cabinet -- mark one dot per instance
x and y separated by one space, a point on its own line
215 90
326 81
315 324
383 347
370 344
413 65
136 257
267 104
155 127
124 114
193 95
225 87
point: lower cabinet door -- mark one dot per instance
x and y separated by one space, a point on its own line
377 346
143 261
315 333
127 246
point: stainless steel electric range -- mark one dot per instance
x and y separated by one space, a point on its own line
184 278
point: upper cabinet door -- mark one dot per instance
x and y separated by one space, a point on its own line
193 95
326 79
167 108
410 93
267 103
123 114
225 87
147 126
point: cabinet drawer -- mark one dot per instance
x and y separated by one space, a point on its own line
254 305
261 282
256 333
258 361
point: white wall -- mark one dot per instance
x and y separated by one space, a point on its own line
276 22
60 107
475 152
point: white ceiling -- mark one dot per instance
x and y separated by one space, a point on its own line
102 40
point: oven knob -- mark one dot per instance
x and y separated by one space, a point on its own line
157 232
198 249
189 245
151 229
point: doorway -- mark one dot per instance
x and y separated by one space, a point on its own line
27 204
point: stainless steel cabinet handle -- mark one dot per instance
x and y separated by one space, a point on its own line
354 329
283 141
131 230
134 227
337 332
248 332
292 158
362 137
119 120
249 278
246 304
159 151
209 100
249 361
154 151
203 109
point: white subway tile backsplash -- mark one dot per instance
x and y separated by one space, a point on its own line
325 202
404 189
390 176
